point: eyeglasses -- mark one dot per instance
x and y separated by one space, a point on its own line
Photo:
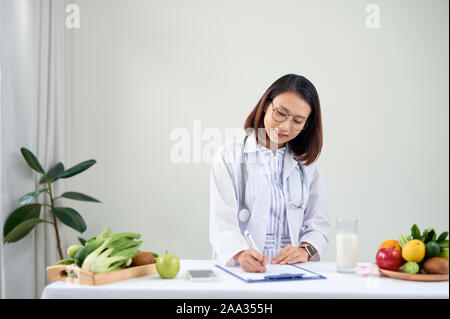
281 115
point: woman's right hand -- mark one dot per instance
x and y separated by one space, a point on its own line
251 260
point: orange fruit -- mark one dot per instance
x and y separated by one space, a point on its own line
391 243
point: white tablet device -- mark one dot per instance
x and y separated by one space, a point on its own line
202 275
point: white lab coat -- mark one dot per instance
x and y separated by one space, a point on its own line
311 225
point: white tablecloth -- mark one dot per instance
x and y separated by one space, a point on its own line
336 285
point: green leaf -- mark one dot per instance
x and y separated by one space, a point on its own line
415 232
82 241
19 215
30 196
71 218
90 240
65 262
22 230
106 233
77 169
442 236
31 160
402 240
443 244
155 255
429 235
79 196
432 235
52 174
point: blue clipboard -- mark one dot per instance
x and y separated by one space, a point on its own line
287 276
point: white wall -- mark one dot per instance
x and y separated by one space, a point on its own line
144 68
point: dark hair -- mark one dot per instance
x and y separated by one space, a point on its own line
307 145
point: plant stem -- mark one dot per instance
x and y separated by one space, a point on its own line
52 206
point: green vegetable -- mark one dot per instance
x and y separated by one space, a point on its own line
444 253
91 245
432 249
403 239
72 250
113 254
411 267
443 244
90 240
65 262
105 233
86 250
442 241
442 236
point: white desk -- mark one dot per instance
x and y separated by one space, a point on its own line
336 285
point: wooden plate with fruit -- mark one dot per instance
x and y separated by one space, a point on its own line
415 257
414 277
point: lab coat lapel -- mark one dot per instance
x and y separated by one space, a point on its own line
260 209
293 214
250 145
289 163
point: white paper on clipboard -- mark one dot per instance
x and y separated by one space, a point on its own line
271 270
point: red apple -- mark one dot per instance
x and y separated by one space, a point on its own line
389 259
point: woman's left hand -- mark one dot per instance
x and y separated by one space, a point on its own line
291 255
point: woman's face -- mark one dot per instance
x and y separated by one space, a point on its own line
281 132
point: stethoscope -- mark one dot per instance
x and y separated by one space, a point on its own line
244 213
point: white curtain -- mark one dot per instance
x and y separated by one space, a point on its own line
34 113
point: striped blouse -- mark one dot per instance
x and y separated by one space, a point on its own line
277 235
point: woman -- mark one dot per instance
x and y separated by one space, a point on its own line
257 185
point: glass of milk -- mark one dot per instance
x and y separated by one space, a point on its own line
346 244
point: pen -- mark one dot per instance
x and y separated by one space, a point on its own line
252 243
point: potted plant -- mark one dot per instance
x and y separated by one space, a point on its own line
23 219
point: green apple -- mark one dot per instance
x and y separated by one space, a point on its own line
444 253
168 265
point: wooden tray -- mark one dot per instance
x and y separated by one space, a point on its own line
413 277
88 278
